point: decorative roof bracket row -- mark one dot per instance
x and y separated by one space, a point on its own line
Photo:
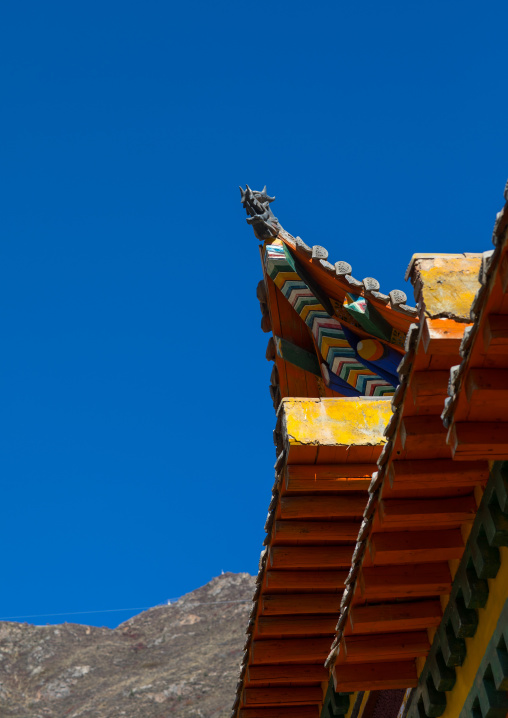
470 591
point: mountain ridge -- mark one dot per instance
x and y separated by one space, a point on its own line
179 660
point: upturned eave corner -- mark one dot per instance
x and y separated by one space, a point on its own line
268 228
259 214
383 569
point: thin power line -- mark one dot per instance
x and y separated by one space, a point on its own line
75 613
115 610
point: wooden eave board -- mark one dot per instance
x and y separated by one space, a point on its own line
367 676
423 582
303 575
408 570
422 437
482 355
477 412
286 631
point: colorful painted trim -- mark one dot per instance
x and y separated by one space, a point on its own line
297 356
376 356
367 316
489 697
470 592
347 373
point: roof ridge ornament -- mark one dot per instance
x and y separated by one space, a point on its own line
257 205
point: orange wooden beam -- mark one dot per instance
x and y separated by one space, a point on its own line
326 477
299 532
415 546
487 386
290 650
426 513
305 581
404 581
284 604
310 556
374 676
429 389
495 334
322 507
323 625
436 474
423 434
383 647
281 712
393 617
286 674
486 440
288 695
442 336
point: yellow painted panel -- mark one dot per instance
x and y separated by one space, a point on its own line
335 422
477 645
427 255
450 283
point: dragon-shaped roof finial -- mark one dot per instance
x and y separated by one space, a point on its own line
261 217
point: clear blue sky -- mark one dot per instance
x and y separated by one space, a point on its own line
136 453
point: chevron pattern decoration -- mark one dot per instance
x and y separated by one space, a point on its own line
344 372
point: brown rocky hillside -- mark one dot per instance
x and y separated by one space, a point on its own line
177 661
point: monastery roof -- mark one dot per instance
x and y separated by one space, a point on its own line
333 335
337 276
342 535
444 285
313 437
477 390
